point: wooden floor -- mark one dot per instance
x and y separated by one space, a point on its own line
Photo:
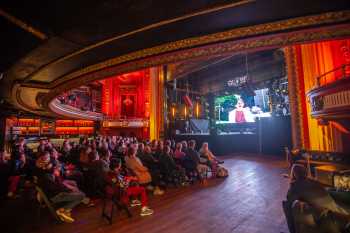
248 201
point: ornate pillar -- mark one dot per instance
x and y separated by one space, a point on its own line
156 103
296 99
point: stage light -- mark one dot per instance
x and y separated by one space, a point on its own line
173 110
185 111
197 110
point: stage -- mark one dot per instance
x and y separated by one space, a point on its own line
270 137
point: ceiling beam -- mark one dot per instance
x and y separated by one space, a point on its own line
23 25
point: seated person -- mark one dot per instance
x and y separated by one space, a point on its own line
169 170
5 171
191 161
148 159
184 146
140 150
208 155
325 211
144 177
94 173
18 168
56 190
179 154
128 187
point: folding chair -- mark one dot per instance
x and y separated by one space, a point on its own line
289 216
115 201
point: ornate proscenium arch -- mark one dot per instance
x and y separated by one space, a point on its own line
268 35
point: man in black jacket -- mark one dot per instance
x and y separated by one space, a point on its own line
327 214
191 161
49 181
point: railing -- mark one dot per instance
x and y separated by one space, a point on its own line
344 71
72 112
114 118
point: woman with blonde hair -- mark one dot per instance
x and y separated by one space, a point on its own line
206 154
209 159
144 176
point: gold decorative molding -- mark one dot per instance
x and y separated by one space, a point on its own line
263 42
233 34
257 37
296 90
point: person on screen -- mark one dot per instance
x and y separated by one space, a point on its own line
240 114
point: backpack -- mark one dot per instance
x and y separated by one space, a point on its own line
221 172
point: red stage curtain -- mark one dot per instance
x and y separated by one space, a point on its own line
314 60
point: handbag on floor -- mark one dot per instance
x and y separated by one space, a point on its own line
221 172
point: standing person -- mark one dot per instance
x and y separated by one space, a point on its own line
142 173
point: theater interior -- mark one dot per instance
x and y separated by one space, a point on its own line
138 90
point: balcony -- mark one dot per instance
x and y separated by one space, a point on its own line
330 101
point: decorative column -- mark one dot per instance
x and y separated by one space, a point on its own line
212 125
156 103
296 93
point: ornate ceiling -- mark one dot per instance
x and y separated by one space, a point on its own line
91 40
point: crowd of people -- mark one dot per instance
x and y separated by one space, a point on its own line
75 173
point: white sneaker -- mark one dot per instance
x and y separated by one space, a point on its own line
158 191
145 211
64 216
85 201
135 203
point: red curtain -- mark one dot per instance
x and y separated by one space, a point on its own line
313 60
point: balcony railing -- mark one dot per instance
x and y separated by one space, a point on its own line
331 98
338 73
72 112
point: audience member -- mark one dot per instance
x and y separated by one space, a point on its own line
76 171
128 187
142 173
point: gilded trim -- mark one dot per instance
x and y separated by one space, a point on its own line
300 22
277 40
219 43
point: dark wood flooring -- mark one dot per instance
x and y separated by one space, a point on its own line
248 201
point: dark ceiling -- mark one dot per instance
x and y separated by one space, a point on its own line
211 75
83 22
82 36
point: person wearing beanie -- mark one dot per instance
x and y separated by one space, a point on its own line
128 186
49 181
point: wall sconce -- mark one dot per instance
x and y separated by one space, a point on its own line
173 112
197 110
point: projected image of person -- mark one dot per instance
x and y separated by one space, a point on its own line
240 114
